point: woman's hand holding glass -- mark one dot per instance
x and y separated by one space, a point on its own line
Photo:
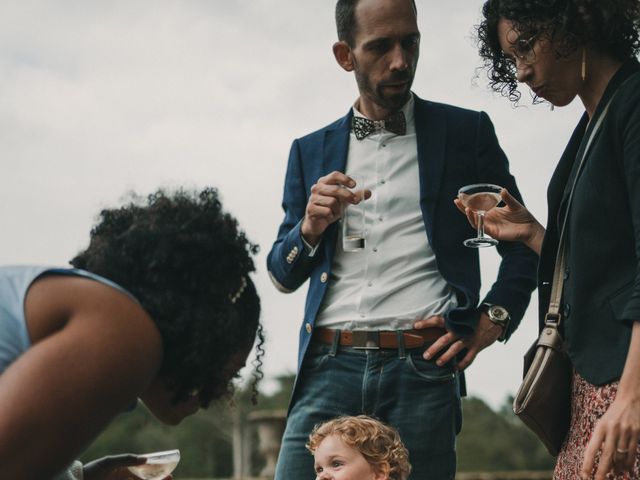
116 467
511 222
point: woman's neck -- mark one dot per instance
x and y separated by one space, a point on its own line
599 69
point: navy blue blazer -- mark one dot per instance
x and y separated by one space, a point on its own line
456 147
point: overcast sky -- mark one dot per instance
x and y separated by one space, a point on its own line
100 98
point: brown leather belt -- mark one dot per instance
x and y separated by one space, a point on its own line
376 339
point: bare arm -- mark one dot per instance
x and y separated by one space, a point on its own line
68 386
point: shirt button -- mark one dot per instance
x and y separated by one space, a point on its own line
375 249
324 277
384 144
383 181
370 284
380 218
308 327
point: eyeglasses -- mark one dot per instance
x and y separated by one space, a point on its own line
523 50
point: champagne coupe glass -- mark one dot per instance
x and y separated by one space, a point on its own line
158 466
480 197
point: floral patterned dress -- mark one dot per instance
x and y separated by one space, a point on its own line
589 402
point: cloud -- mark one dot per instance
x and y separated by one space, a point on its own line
98 98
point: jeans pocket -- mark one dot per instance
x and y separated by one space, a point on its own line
428 369
315 359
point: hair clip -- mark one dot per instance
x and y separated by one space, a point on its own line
243 284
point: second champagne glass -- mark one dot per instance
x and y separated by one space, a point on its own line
158 466
480 197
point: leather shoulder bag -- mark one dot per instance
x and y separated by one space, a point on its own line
543 401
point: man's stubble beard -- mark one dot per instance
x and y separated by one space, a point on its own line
376 93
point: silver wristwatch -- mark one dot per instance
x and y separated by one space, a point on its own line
500 316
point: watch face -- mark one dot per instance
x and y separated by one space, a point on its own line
498 313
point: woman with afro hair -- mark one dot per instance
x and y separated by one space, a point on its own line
159 307
563 49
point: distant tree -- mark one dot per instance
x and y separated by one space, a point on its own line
493 441
204 439
490 440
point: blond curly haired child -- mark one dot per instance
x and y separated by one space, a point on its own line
358 448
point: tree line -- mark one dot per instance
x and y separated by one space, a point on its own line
490 440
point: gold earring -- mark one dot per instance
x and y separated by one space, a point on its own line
584 64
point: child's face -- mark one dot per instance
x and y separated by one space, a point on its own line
336 460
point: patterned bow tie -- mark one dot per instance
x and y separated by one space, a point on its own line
362 127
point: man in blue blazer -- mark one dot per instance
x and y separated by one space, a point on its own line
387 330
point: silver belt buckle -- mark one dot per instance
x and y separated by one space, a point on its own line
365 339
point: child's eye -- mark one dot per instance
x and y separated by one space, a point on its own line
336 463
318 470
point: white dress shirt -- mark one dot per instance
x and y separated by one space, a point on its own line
395 280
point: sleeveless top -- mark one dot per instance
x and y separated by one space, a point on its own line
14 336
14 284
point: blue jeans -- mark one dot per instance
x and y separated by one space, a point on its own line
416 396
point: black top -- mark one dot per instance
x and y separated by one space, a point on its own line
601 297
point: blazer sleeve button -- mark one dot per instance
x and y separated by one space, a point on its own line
324 277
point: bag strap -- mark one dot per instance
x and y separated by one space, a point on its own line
553 317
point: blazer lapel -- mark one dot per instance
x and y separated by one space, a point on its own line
430 138
334 157
581 135
336 145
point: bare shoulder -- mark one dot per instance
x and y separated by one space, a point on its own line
94 350
85 312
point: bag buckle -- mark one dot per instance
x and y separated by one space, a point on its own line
365 339
552 319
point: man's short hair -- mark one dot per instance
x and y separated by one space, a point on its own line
346 19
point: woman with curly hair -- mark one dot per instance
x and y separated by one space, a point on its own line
159 307
585 48
358 448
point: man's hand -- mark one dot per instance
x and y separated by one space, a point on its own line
114 467
486 333
326 204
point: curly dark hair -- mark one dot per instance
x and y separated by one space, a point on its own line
609 26
346 20
188 264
